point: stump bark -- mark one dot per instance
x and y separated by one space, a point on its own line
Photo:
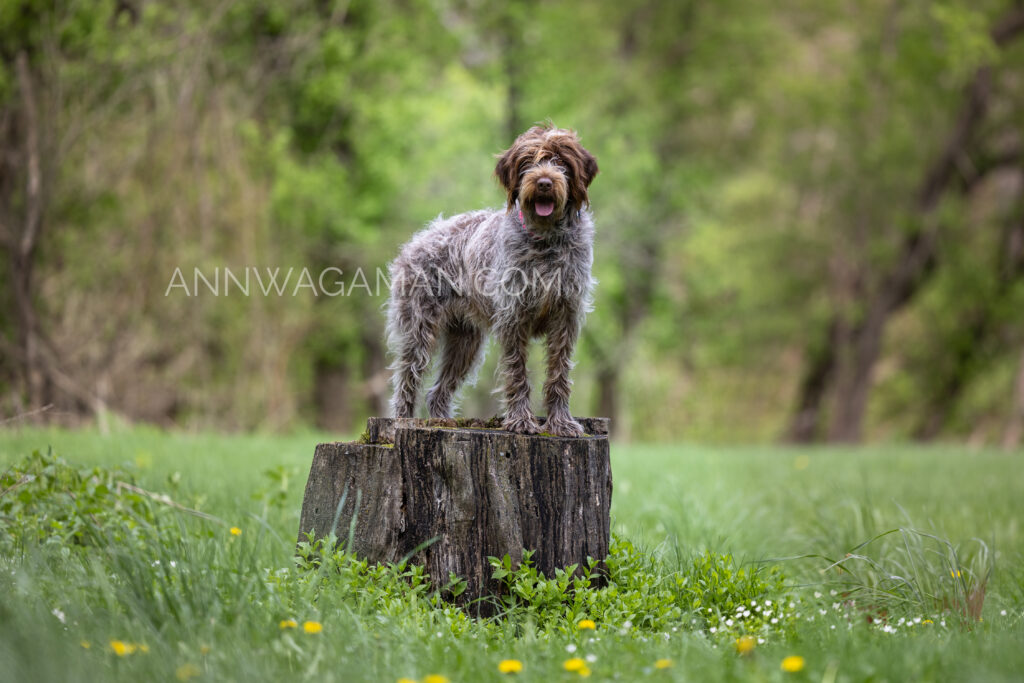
467 491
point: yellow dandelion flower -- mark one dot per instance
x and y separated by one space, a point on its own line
792 664
187 672
85 643
235 531
584 672
510 666
574 664
435 678
746 644
586 623
927 621
312 627
288 623
204 649
121 648
663 664
406 680
143 648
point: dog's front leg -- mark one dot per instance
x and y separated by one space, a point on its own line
561 340
514 346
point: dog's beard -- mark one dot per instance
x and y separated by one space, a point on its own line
548 205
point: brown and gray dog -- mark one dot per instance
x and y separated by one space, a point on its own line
520 273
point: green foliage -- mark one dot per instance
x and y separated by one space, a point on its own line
906 572
716 587
633 592
46 500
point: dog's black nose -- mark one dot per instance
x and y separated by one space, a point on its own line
544 185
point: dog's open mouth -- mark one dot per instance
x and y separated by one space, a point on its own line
543 207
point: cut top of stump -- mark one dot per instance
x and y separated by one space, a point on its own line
381 430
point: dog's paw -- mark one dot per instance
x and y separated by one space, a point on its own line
521 424
565 426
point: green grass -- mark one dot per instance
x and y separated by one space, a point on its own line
209 604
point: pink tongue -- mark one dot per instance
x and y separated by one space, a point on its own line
544 208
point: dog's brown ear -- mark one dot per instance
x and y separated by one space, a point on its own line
583 167
507 172
589 167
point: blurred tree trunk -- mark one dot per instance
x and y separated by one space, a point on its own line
375 373
977 327
506 24
857 356
21 223
818 377
333 396
1015 426
28 163
608 390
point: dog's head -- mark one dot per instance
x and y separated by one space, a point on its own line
546 169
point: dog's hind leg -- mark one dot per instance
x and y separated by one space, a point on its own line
415 333
461 345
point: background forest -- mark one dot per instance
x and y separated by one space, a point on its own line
810 214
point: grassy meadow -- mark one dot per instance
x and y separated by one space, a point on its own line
145 555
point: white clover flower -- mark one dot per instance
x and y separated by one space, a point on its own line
746 614
833 592
768 603
60 615
570 648
817 594
823 612
753 603
1002 613
714 630
728 622
775 620
591 658
760 641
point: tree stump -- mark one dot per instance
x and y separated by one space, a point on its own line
468 491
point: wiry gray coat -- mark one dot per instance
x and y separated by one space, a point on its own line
520 273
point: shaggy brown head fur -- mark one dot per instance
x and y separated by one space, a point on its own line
545 169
